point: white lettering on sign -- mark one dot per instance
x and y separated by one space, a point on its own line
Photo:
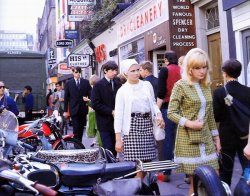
182 22
14 52
183 33
141 20
81 2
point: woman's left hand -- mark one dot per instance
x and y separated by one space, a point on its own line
217 144
160 121
246 151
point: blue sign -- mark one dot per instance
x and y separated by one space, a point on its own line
71 34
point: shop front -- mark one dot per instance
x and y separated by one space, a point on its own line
239 12
149 28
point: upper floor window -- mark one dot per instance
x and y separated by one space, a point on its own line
212 18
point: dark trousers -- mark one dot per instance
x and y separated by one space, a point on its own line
227 159
78 122
169 141
108 140
28 115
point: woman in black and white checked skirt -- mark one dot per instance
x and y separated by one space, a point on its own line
135 105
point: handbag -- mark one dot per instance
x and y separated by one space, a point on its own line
158 132
239 113
130 186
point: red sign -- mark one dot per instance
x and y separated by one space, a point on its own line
100 53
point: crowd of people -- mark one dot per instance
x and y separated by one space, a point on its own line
180 100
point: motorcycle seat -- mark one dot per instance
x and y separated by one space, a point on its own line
115 170
80 174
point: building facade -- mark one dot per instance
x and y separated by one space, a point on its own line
15 41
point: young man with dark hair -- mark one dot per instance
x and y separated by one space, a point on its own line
103 102
167 77
28 101
146 72
76 93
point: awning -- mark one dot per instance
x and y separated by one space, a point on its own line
65 77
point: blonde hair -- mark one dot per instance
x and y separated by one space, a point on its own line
196 57
93 79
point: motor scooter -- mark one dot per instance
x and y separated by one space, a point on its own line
84 178
51 129
8 175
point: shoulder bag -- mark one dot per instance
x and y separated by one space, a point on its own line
239 113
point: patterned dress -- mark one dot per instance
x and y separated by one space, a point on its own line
193 147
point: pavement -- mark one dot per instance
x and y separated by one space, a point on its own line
177 186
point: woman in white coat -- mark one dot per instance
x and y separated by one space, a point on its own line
135 108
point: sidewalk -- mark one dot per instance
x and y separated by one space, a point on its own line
177 186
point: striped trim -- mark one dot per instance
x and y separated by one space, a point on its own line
182 121
197 160
215 132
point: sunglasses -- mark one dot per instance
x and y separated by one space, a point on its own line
76 72
2 87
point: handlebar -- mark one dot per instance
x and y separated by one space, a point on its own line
27 146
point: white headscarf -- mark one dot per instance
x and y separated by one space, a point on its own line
126 64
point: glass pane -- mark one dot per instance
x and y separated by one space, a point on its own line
212 18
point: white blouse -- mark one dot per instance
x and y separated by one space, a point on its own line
133 98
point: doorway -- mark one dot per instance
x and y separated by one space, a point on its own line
214 52
158 61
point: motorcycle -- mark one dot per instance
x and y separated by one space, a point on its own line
10 176
51 128
84 172
89 176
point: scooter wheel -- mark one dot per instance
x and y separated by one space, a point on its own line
207 182
70 143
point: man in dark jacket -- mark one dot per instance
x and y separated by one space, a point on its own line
76 93
231 141
6 101
28 101
103 102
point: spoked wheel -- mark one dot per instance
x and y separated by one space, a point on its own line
207 182
70 143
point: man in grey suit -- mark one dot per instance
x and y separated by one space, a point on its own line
58 98
58 101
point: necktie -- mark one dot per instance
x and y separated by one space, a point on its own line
112 84
78 83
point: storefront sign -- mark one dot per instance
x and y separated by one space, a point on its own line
100 53
182 25
153 13
71 34
79 10
51 58
80 60
64 43
63 69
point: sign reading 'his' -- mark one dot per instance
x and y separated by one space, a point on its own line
78 60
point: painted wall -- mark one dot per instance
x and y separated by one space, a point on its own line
241 21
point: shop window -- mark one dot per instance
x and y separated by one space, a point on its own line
134 50
212 18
